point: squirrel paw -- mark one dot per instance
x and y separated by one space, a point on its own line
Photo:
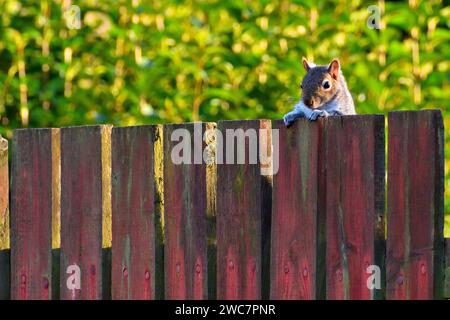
336 113
318 113
286 121
324 114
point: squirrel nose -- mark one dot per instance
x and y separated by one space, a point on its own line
309 102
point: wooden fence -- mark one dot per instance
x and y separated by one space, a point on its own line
112 202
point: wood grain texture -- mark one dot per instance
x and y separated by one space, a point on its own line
296 222
133 213
185 209
81 210
106 187
243 214
4 222
56 189
415 247
354 187
31 214
4 195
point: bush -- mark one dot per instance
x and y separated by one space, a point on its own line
135 62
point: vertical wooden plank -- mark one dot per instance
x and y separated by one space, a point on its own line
4 222
355 171
242 212
296 221
81 210
133 213
31 214
415 249
185 206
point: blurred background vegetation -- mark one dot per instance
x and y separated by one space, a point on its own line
156 61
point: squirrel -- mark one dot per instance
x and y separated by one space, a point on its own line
324 93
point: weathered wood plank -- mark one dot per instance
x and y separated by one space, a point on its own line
185 209
81 211
243 212
133 213
295 217
415 251
31 214
4 222
354 187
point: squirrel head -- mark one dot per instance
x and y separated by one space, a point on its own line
320 83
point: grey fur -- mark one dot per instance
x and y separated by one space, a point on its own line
341 103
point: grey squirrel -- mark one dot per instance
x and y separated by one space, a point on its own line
324 93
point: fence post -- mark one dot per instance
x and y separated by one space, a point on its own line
82 215
31 214
354 187
415 242
133 213
297 258
4 222
185 211
243 210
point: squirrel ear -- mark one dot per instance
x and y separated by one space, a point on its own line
306 64
334 68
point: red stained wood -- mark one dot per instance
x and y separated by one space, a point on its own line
354 182
31 214
243 218
133 213
81 210
296 221
415 248
185 205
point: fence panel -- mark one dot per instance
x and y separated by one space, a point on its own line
321 236
355 171
133 213
297 256
243 210
31 214
81 212
185 212
4 222
415 249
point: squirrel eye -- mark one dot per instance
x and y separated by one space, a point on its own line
326 84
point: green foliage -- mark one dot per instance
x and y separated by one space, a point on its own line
135 62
